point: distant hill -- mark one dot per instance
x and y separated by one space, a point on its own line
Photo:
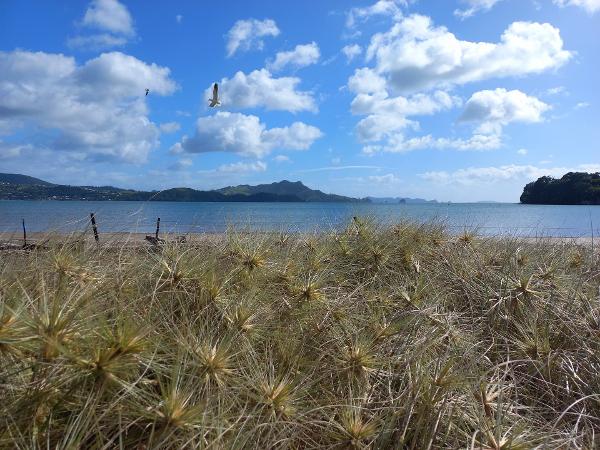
574 188
289 188
400 200
15 178
22 187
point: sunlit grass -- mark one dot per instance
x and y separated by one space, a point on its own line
372 337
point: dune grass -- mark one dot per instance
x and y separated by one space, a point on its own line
375 337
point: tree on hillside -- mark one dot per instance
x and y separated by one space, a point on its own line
574 188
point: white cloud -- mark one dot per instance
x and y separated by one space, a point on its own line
415 105
557 90
181 164
397 143
96 41
10 151
582 105
474 6
490 110
94 110
415 55
351 51
109 15
366 81
497 108
491 175
389 178
390 8
169 127
339 168
386 116
522 151
591 6
245 135
281 158
242 167
248 34
260 89
301 56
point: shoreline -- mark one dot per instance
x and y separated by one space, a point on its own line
137 239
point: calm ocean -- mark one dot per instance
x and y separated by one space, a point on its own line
490 219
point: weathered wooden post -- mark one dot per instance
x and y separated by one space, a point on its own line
157 228
94 229
24 234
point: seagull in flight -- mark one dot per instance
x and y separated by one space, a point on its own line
214 101
147 90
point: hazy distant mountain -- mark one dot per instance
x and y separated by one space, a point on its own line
22 187
401 200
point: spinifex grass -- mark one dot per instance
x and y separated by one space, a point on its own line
375 337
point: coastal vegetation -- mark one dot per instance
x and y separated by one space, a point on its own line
574 188
371 337
22 187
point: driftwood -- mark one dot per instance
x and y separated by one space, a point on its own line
7 246
10 246
154 240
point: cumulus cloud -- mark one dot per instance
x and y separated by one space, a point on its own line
109 15
591 6
245 135
416 55
93 110
474 6
387 115
397 143
169 127
491 175
497 108
388 178
366 81
247 34
415 105
181 164
489 110
10 151
96 41
301 56
243 167
260 89
351 51
389 8
416 65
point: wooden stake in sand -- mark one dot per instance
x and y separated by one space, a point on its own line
94 229
24 234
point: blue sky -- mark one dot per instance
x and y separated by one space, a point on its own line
459 100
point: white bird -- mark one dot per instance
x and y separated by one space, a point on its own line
214 101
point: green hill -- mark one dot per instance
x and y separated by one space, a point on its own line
574 188
15 178
285 187
22 187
